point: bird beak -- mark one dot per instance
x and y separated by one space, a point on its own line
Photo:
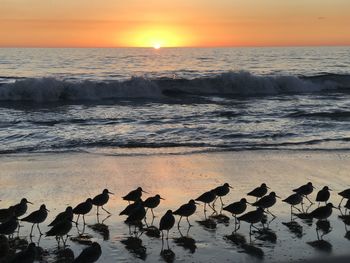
268 187
249 203
47 210
313 187
278 196
230 186
29 203
110 193
330 189
162 198
144 192
197 203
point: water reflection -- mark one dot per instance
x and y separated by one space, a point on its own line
295 228
186 241
167 254
135 247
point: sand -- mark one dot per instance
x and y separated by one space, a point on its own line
63 179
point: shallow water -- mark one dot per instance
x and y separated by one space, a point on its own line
59 180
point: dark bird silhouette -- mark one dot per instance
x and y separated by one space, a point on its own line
236 208
305 190
136 214
67 214
207 198
347 205
152 202
259 192
345 195
101 200
83 209
221 191
134 195
6 213
293 200
130 207
167 222
186 210
322 212
90 254
25 256
252 218
60 229
36 217
9 227
323 195
266 202
21 207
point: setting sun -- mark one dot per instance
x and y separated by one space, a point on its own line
156 46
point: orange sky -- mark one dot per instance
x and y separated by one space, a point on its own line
117 23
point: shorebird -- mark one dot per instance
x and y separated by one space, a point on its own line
134 195
207 198
259 192
221 191
90 254
6 213
9 227
21 207
67 214
101 200
82 209
130 207
323 195
25 256
186 210
252 218
345 195
236 208
36 217
60 229
293 200
322 212
152 202
305 190
347 205
136 215
266 202
167 222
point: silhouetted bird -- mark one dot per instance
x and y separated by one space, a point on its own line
345 195
252 217
90 254
259 191
36 217
6 213
25 256
136 214
101 200
186 210
207 198
266 202
236 208
323 195
21 208
305 190
322 212
152 202
67 214
83 209
128 209
9 227
347 205
221 191
167 222
134 195
60 229
293 200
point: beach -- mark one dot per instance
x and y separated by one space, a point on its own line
63 179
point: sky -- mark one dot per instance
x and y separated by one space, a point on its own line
194 23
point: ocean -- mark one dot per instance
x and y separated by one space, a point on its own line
142 101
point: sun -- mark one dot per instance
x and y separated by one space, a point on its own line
156 46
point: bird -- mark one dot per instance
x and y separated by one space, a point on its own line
82 209
293 200
127 210
322 212
167 222
6 213
305 190
347 205
36 217
25 256
134 195
236 208
259 192
67 214
252 217
207 198
323 195
345 195
21 207
90 254
136 215
186 210
152 202
60 229
266 202
9 227
221 191
101 200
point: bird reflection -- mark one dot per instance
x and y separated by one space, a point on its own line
321 245
295 228
253 251
266 234
167 254
101 229
64 255
186 242
135 247
208 224
323 226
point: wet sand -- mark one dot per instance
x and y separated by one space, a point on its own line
59 180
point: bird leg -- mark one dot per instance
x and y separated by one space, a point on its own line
39 229
105 210
267 210
84 220
297 209
205 207
178 224
340 202
189 224
152 213
222 204
97 211
31 231
76 222
167 235
318 237
309 199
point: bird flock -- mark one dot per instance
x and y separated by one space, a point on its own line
137 209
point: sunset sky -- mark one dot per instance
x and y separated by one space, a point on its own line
200 23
